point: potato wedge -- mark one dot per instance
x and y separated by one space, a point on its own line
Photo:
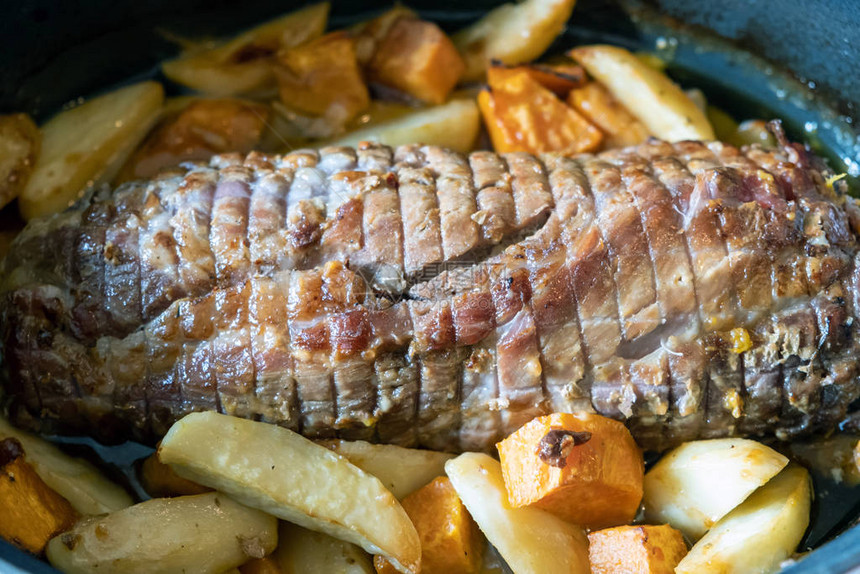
78 481
648 94
159 480
530 540
512 33
417 58
244 64
301 550
20 142
698 483
453 125
643 549
760 533
401 470
450 539
599 107
31 513
582 467
283 473
265 565
203 128
202 533
87 145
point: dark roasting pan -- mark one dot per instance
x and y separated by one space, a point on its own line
53 52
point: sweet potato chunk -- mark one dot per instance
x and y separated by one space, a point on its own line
596 103
636 549
416 57
522 115
582 467
322 78
31 513
450 539
204 128
560 79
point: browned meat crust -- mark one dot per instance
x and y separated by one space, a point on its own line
418 296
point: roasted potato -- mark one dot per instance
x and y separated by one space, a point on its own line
87 145
453 125
20 142
244 64
287 475
31 513
401 470
582 467
265 565
303 551
322 78
522 115
511 34
530 540
665 110
696 484
202 129
600 108
417 58
758 535
450 539
159 480
642 549
87 489
203 533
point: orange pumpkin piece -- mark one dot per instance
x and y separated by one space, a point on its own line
596 103
522 115
585 468
450 539
322 78
560 79
265 565
636 550
31 512
417 58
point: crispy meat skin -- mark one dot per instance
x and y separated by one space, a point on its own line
421 297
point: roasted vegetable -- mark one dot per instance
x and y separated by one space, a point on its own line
244 64
87 489
640 549
522 115
648 94
87 145
450 539
417 58
401 470
20 141
453 125
322 78
600 108
279 471
202 129
265 565
699 482
203 533
758 535
370 33
511 34
582 467
530 540
304 551
159 480
560 79
31 513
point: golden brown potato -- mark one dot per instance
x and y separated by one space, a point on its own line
301 551
159 480
20 142
31 513
599 106
582 467
244 64
205 127
322 78
417 58
640 549
522 115
450 539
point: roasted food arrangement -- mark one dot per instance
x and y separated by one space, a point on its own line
385 299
